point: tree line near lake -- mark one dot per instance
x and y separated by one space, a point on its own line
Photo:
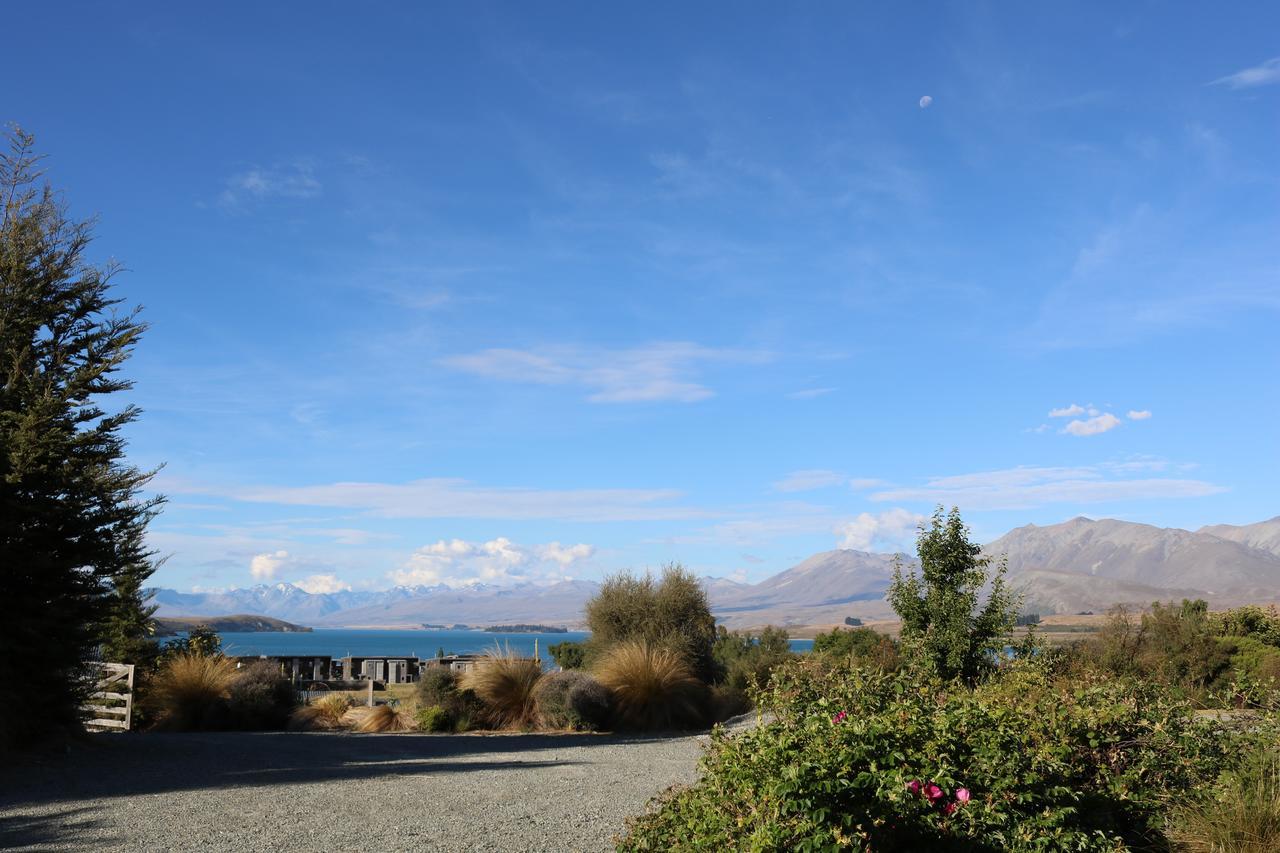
951 737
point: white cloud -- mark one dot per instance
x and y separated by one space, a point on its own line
808 480
320 584
926 101
652 373
1093 426
263 567
1259 75
1030 487
451 498
1067 411
564 555
459 563
892 529
809 393
1140 415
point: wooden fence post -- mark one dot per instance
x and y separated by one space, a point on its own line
370 692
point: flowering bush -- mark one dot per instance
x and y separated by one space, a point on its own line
856 759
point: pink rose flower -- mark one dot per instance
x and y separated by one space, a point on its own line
948 808
840 717
933 793
962 795
913 787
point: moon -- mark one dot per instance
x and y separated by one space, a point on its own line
926 101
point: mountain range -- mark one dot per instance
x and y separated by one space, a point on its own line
1079 565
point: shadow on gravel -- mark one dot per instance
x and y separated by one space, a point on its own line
106 766
57 829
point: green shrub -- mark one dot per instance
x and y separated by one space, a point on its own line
742 660
433 718
671 612
260 698
861 645
568 654
572 700
1262 624
653 687
439 686
1022 762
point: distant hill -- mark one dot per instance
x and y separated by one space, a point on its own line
1098 562
167 626
1082 564
1265 535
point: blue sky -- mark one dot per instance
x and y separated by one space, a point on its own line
497 292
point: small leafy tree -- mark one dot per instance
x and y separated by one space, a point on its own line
568 654
939 609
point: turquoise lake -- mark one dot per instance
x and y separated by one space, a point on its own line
338 643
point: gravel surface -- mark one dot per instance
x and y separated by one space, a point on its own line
290 791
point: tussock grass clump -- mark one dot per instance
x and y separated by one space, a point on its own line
191 691
322 715
653 687
1244 814
381 719
572 700
506 684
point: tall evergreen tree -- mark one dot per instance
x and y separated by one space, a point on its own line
72 555
939 607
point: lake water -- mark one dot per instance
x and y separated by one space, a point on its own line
339 643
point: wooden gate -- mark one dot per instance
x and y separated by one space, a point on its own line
114 685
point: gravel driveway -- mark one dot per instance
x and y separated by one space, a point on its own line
291 791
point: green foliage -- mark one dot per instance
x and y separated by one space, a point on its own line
568 654
671 612
860 645
71 516
1261 624
433 718
572 700
847 761
438 685
937 607
743 660
1176 645
201 640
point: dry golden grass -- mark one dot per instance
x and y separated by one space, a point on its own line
322 715
190 692
380 719
652 687
507 685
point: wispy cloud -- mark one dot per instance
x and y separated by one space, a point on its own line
809 393
806 481
657 372
459 563
1259 75
1067 411
296 180
1139 415
453 498
1030 487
